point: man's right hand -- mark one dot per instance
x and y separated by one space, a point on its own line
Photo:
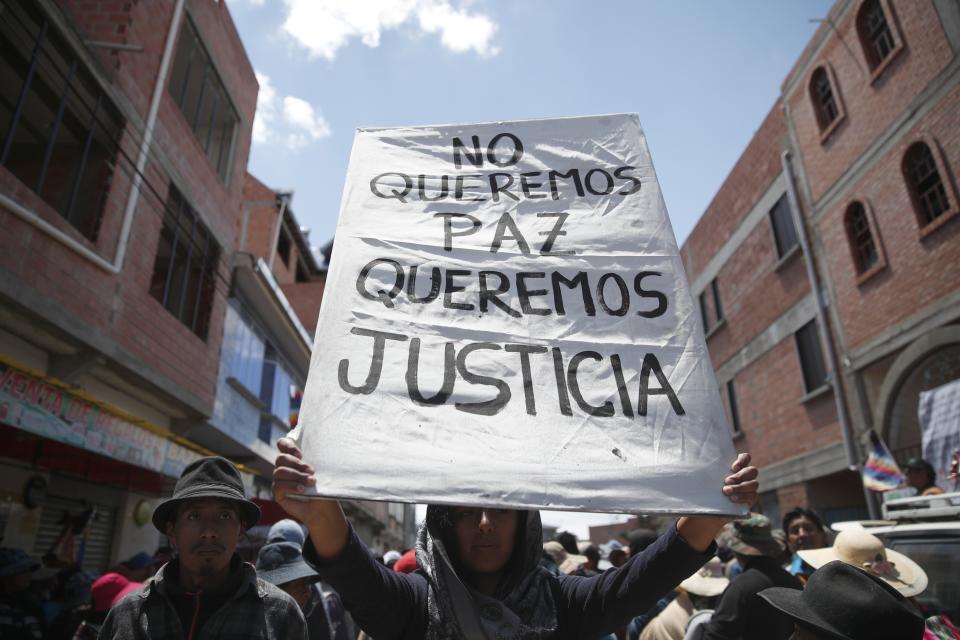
324 518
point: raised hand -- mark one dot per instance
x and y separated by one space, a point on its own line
324 518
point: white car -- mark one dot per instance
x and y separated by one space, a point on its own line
927 530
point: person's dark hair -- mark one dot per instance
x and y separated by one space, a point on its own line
592 554
923 465
640 539
568 541
800 512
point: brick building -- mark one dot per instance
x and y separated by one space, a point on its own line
126 129
850 183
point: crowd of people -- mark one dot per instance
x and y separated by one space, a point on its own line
475 573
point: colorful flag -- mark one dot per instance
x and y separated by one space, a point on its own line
880 471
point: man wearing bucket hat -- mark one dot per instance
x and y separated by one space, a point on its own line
206 590
865 551
740 613
841 602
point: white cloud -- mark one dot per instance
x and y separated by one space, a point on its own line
288 118
266 109
459 31
307 124
323 26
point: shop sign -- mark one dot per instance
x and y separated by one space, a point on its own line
46 410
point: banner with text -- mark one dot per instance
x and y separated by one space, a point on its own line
507 323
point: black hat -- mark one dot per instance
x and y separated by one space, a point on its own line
845 603
282 562
212 477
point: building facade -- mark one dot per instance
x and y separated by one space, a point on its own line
125 134
827 267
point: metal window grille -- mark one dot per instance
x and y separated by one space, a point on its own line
202 97
784 233
734 410
811 356
925 182
59 130
827 110
860 237
876 31
717 306
185 269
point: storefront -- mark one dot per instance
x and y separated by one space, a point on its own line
78 477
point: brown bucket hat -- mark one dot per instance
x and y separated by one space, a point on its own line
212 477
752 536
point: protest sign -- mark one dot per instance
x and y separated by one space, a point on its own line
507 322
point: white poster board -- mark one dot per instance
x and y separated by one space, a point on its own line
507 322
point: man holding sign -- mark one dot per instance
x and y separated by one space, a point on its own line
511 330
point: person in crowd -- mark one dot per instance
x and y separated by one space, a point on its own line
693 605
614 553
479 574
569 542
323 611
282 564
106 591
553 556
161 556
640 539
390 558
206 590
592 566
740 615
21 616
73 594
842 602
866 551
407 562
922 476
804 530
138 567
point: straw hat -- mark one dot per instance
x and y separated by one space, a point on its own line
866 551
708 581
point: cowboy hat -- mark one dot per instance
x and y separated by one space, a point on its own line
211 477
844 603
708 581
866 551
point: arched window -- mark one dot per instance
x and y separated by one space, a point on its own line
860 237
824 102
925 184
876 37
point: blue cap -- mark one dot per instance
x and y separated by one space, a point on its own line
286 530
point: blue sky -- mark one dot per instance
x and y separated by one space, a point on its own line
702 75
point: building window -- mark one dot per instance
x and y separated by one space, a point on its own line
185 269
704 314
923 180
876 38
276 388
860 237
246 345
705 306
717 306
811 357
198 90
784 232
58 129
824 101
734 410
301 274
283 247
